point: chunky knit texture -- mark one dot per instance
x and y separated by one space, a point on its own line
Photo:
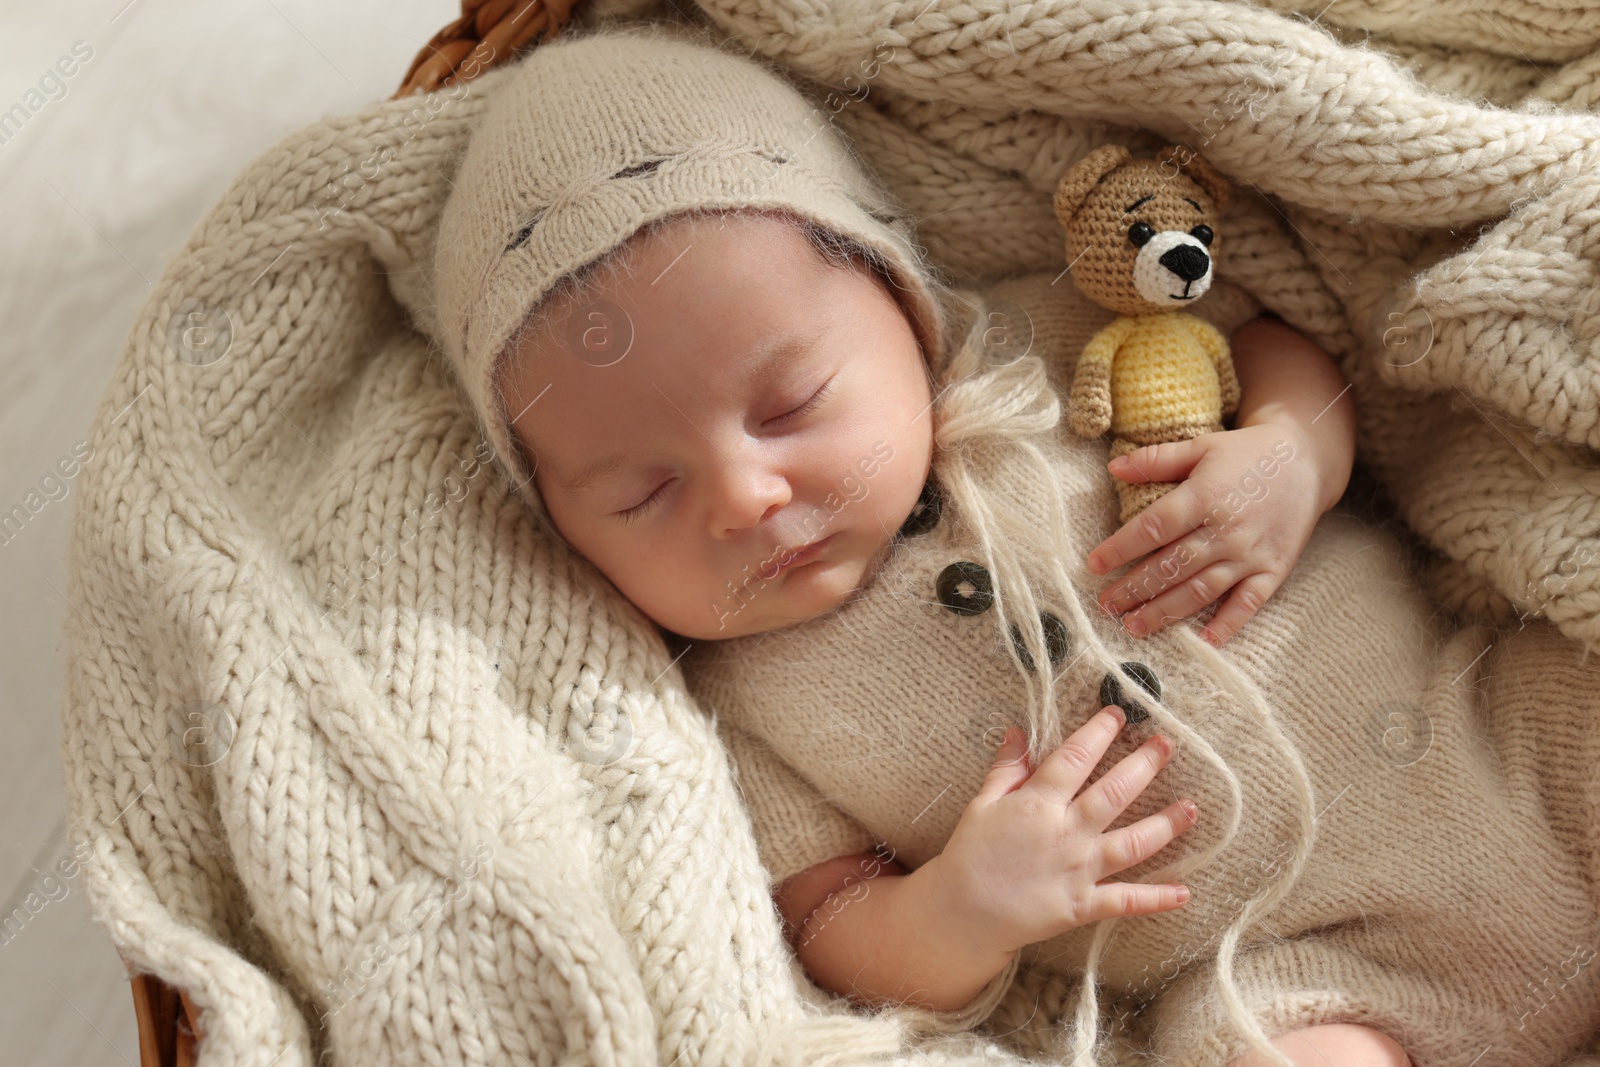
336 726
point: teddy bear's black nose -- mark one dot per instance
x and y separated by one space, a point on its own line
1186 261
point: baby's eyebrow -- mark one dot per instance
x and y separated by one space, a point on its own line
594 472
773 354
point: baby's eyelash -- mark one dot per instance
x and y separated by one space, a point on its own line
809 405
642 506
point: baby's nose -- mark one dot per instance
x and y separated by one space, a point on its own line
749 496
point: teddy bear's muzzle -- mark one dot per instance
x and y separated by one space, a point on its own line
1172 268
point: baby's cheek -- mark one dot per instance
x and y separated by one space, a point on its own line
852 488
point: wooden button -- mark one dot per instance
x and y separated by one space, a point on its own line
924 513
1056 640
1111 690
965 588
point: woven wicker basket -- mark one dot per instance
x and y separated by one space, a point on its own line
488 33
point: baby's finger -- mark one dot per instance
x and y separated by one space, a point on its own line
1114 790
1244 601
1062 773
1168 462
1121 849
1160 571
1113 900
1184 600
1010 768
1163 522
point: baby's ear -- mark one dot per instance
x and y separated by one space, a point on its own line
1084 175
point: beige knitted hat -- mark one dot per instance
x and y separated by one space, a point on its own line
599 132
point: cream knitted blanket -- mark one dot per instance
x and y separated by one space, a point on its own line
374 773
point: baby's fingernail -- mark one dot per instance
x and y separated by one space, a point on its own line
1096 563
1120 462
1183 894
1136 626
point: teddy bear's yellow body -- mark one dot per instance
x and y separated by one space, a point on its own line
1164 374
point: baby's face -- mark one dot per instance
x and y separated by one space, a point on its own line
731 451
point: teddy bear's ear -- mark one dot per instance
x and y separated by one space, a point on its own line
1077 182
1196 166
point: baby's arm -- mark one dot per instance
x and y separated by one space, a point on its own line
1249 499
1030 859
864 926
1287 379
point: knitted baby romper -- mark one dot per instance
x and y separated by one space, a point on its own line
1449 896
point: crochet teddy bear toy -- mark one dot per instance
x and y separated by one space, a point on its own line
1142 241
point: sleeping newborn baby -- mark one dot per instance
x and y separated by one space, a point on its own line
706 348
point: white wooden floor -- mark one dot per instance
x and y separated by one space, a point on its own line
99 188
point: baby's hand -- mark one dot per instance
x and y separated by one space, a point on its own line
1247 503
1027 861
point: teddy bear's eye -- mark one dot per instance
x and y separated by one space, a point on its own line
1139 233
1202 234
